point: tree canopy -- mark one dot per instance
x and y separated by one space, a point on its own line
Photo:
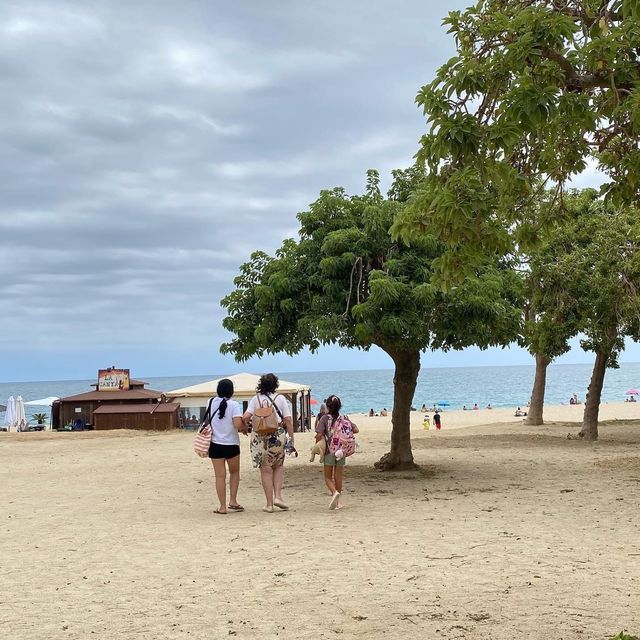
346 281
536 91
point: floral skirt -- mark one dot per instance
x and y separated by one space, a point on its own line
268 450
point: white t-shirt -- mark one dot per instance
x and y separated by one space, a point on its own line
222 429
261 400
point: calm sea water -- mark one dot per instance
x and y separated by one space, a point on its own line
363 390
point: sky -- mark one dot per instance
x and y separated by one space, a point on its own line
147 148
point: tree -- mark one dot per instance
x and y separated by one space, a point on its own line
549 322
590 266
536 91
345 281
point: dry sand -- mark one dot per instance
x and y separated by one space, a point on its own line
507 532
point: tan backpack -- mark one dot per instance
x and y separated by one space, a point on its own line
265 421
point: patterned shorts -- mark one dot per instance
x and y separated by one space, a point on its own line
268 450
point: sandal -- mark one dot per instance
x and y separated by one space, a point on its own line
220 513
236 507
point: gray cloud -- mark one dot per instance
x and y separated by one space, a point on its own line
147 148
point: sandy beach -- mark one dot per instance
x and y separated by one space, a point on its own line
506 532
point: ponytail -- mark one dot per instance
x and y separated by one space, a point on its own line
225 391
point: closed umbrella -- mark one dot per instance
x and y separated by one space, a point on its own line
21 416
10 414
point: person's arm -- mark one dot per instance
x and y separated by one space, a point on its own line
354 427
320 427
239 424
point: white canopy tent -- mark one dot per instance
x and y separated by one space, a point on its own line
196 396
42 402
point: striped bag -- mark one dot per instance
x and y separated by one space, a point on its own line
203 437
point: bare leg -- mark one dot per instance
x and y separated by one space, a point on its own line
234 479
338 475
220 470
266 475
278 482
328 478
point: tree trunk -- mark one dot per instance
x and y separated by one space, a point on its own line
407 367
589 429
534 415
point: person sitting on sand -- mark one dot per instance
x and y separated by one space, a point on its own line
475 407
464 407
489 406
384 413
372 413
333 468
224 450
519 413
423 408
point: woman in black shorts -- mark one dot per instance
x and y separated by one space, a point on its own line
226 422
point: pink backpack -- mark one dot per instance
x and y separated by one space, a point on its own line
341 436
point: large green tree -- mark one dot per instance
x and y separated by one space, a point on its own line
589 266
345 281
537 90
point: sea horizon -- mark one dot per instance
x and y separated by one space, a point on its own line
365 389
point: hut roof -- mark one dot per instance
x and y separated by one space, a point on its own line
244 387
132 394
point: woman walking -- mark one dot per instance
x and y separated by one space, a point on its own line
267 450
224 450
333 468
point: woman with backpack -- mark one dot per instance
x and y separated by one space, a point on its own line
271 423
335 458
225 417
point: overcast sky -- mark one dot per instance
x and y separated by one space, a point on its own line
147 148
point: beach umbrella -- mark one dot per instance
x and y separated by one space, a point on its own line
314 401
42 402
10 414
632 392
21 416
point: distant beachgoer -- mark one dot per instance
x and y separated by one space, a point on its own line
412 408
489 406
268 451
384 413
224 450
333 468
436 420
423 408
475 407
372 413
322 411
425 421
464 407
575 399
518 413
632 399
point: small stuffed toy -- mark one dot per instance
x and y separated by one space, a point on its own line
318 449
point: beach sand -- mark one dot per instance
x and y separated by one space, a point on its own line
506 532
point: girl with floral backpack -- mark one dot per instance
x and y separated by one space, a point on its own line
339 434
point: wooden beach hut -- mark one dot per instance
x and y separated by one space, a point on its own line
81 409
193 400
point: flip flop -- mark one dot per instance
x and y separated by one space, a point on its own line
236 507
220 513
334 500
281 505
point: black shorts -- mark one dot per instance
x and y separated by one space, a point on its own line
226 451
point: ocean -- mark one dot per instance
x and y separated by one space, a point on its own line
364 390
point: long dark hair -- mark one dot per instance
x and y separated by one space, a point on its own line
224 391
268 383
333 406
